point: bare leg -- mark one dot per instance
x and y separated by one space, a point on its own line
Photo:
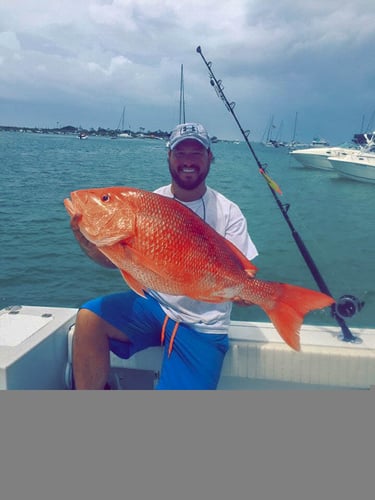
91 350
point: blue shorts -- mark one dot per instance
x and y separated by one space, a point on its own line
195 360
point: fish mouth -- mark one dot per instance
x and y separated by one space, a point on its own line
69 207
73 204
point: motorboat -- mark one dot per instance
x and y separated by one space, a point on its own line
36 354
318 157
359 166
318 142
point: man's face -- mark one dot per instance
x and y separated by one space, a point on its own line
189 164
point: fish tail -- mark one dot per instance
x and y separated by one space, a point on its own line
290 307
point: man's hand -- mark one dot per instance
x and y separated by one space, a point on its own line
240 302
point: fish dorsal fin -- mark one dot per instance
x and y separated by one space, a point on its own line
249 268
133 283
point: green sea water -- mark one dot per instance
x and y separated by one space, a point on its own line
41 263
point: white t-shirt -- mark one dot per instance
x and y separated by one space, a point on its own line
227 219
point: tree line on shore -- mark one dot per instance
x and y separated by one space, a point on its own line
79 131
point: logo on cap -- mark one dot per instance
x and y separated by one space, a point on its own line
194 131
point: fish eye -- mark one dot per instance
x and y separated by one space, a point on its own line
106 197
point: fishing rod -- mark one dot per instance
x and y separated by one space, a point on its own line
347 305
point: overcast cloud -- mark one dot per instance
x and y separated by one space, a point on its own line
78 62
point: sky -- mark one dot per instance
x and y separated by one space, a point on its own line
80 62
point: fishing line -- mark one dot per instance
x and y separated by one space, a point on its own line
347 305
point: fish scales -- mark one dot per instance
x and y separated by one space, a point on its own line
175 237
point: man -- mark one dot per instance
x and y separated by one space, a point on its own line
195 333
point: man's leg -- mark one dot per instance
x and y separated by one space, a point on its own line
195 361
91 350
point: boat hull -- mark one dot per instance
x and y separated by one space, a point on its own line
358 168
36 347
318 157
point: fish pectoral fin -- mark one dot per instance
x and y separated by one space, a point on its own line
249 268
133 283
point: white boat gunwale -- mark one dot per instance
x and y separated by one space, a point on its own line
256 354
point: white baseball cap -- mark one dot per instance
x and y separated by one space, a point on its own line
194 131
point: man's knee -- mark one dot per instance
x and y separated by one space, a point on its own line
89 323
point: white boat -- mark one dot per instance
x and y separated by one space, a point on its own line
318 142
35 354
318 157
270 142
120 131
125 135
359 166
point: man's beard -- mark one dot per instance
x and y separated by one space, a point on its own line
188 184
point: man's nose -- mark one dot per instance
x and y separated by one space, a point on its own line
188 160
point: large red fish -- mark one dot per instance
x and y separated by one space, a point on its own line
158 243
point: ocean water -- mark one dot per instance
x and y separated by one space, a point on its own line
41 263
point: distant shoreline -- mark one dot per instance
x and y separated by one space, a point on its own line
70 130
99 132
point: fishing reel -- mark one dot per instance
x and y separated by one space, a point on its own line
347 306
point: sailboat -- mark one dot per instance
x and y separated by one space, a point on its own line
120 130
274 143
121 127
294 144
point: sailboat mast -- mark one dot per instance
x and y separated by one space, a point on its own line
182 118
120 126
295 128
123 119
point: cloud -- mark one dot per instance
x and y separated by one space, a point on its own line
273 57
9 41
